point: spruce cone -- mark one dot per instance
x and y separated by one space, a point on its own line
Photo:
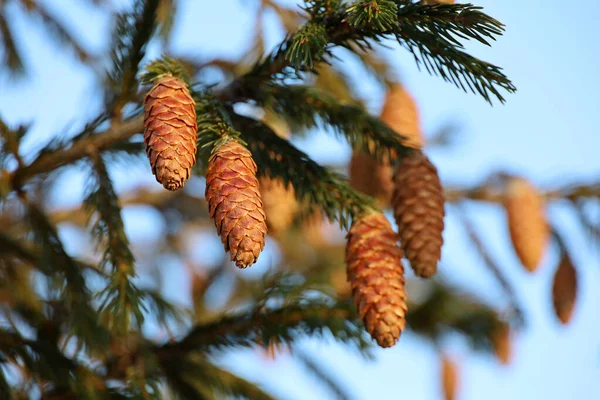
450 378
170 131
526 222
564 290
502 343
400 112
280 204
376 178
376 276
418 202
235 204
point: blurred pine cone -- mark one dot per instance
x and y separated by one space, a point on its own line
449 378
564 289
418 203
280 204
501 339
234 202
376 276
375 178
170 131
527 223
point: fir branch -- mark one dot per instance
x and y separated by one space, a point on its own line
284 324
318 186
165 66
305 106
379 14
494 268
447 310
55 261
307 46
121 298
10 53
61 33
132 33
321 374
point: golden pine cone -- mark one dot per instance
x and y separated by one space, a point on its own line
449 378
235 204
564 290
170 131
280 203
400 112
502 343
376 277
527 223
418 203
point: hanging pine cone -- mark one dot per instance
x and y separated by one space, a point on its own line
449 378
400 112
374 178
527 224
170 131
564 289
502 343
376 277
418 202
280 204
234 202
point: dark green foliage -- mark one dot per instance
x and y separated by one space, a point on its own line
132 33
378 14
121 301
307 46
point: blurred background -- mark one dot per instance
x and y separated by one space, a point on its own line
545 132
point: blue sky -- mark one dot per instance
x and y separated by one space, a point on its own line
546 131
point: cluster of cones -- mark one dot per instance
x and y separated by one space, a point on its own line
374 251
239 204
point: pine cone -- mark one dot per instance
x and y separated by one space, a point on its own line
502 343
376 277
564 290
280 204
526 222
418 202
400 112
170 131
450 378
374 178
235 204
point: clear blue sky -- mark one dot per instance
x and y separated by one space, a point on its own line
547 131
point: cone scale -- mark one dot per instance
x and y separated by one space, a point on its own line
170 131
235 204
418 203
376 277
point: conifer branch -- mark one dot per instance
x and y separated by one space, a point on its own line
306 107
319 187
132 33
321 374
121 298
10 53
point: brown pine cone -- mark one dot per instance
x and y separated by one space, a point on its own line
280 204
374 178
170 131
450 378
564 290
418 203
527 224
234 202
376 276
502 343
